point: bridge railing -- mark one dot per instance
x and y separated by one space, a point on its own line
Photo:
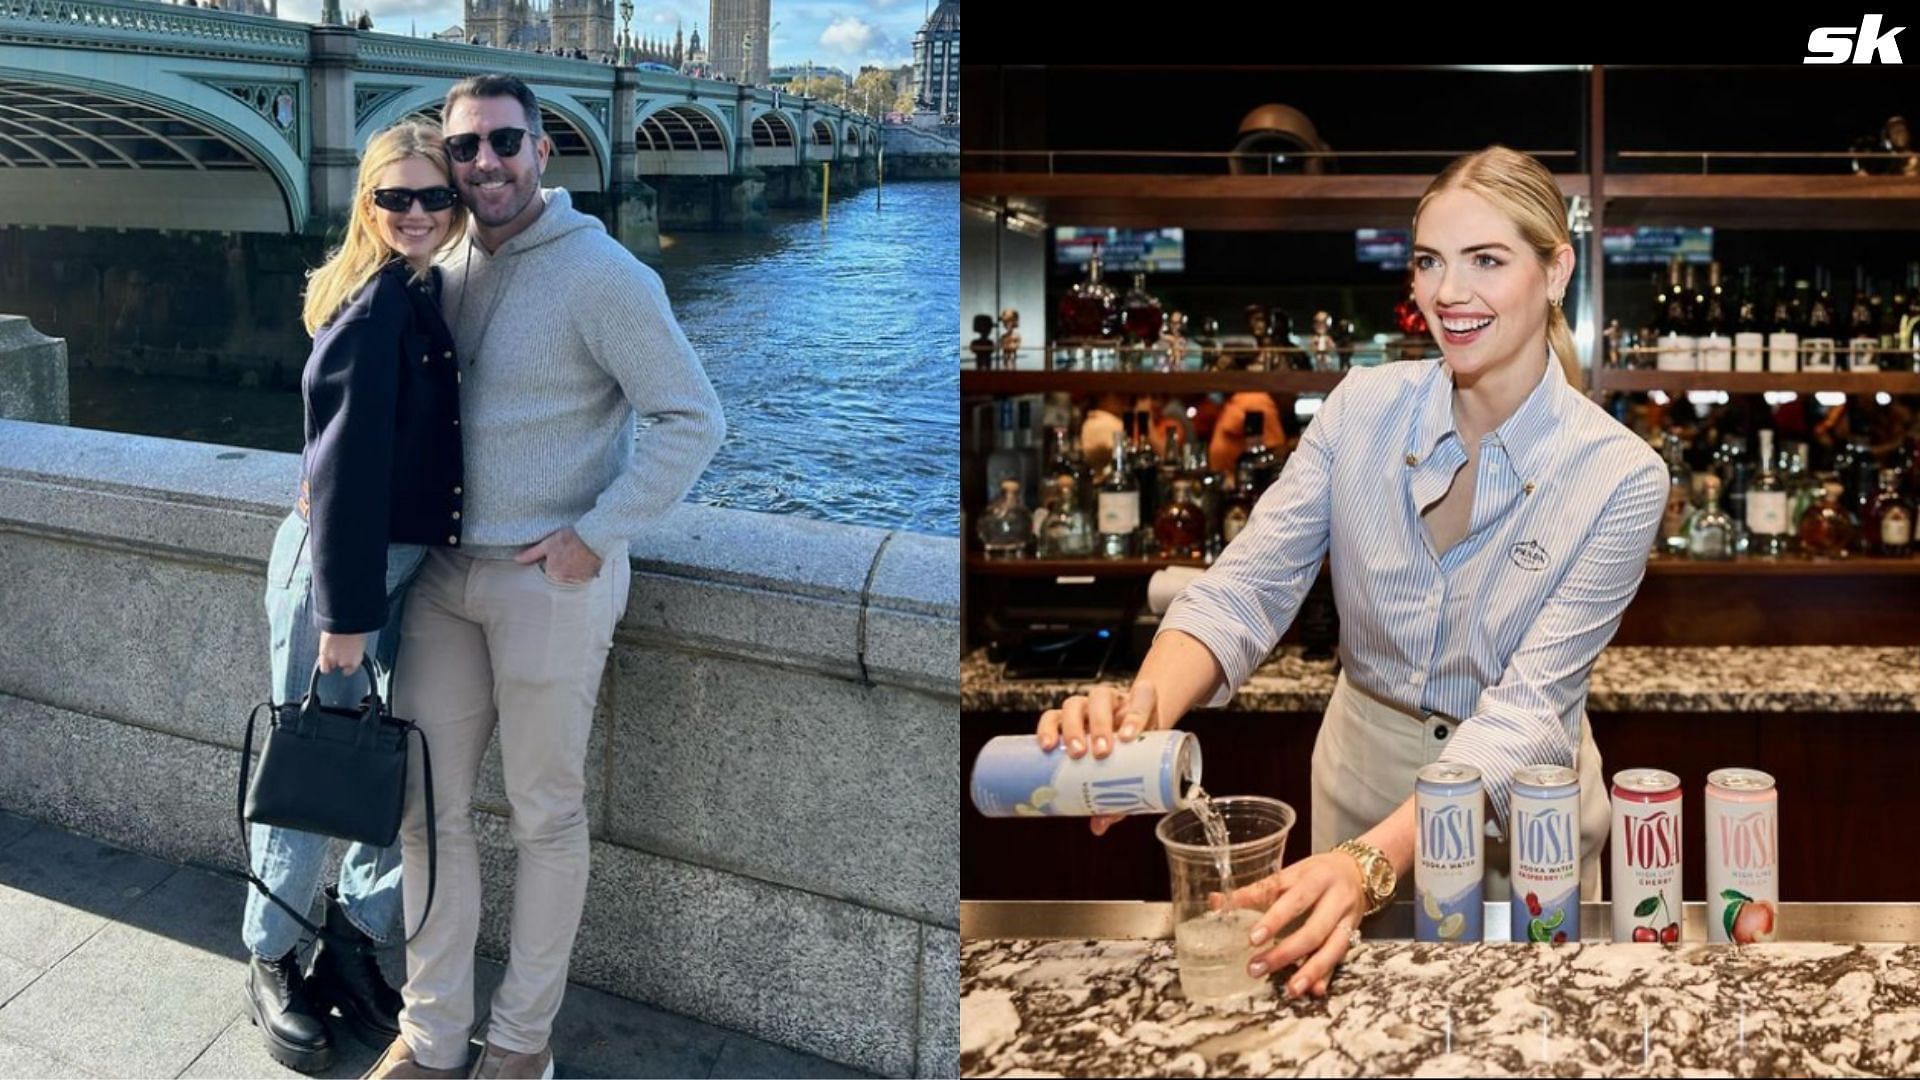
136 23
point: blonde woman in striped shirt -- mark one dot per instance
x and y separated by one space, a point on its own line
1487 525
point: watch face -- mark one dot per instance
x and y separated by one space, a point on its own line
1381 880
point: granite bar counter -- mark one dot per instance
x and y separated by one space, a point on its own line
1626 679
1092 990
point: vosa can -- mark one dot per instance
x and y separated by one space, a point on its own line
1153 774
1449 852
1647 820
1543 826
1743 856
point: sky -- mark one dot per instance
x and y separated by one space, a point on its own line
845 35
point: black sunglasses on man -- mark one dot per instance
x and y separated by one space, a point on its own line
505 142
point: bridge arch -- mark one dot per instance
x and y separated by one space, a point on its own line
776 140
682 138
223 154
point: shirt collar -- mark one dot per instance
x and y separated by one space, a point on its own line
1525 435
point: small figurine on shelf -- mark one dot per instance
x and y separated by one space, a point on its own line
1177 353
1612 336
982 345
1009 339
1322 352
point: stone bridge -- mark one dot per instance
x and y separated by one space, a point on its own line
133 114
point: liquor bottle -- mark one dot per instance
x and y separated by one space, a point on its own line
1145 462
1863 339
1736 474
1783 328
1181 526
1023 444
1749 343
1067 532
1676 324
1889 520
1006 526
1258 466
1846 461
1119 523
1209 491
1767 506
1071 463
1892 320
1818 345
1089 309
1909 343
1140 313
1710 531
1172 463
1006 462
1715 333
1251 475
1827 531
1673 524
1803 488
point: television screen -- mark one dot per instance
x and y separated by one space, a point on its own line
1389 249
1633 245
1148 251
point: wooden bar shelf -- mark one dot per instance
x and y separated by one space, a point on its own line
1757 382
1151 382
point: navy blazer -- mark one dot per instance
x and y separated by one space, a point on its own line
382 462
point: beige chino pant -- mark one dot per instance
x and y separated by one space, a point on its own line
1364 761
486 644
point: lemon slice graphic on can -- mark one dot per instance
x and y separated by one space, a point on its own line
1042 795
1431 906
1451 926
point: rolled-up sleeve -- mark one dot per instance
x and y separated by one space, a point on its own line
1532 715
1243 603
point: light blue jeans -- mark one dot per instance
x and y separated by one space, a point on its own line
290 862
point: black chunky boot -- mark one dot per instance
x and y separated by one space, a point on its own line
352 982
278 1004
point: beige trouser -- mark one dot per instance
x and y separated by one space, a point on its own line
486 643
1364 762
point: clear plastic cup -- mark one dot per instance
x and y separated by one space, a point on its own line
1209 937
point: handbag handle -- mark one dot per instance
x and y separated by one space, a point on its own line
310 703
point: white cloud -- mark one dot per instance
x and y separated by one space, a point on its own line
847 34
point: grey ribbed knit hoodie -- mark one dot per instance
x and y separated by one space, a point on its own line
563 337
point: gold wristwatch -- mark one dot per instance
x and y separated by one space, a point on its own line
1376 873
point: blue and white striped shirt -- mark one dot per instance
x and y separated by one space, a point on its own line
1501 631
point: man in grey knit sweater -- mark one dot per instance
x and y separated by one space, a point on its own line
563 337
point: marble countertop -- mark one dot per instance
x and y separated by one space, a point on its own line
1810 678
1114 1008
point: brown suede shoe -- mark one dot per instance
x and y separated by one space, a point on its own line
497 1062
398 1064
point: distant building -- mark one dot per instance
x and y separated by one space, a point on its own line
936 62
737 33
451 33
696 64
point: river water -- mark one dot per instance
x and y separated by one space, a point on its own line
832 354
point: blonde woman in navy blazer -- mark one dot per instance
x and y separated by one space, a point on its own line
380 482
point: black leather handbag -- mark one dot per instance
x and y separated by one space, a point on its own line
335 771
